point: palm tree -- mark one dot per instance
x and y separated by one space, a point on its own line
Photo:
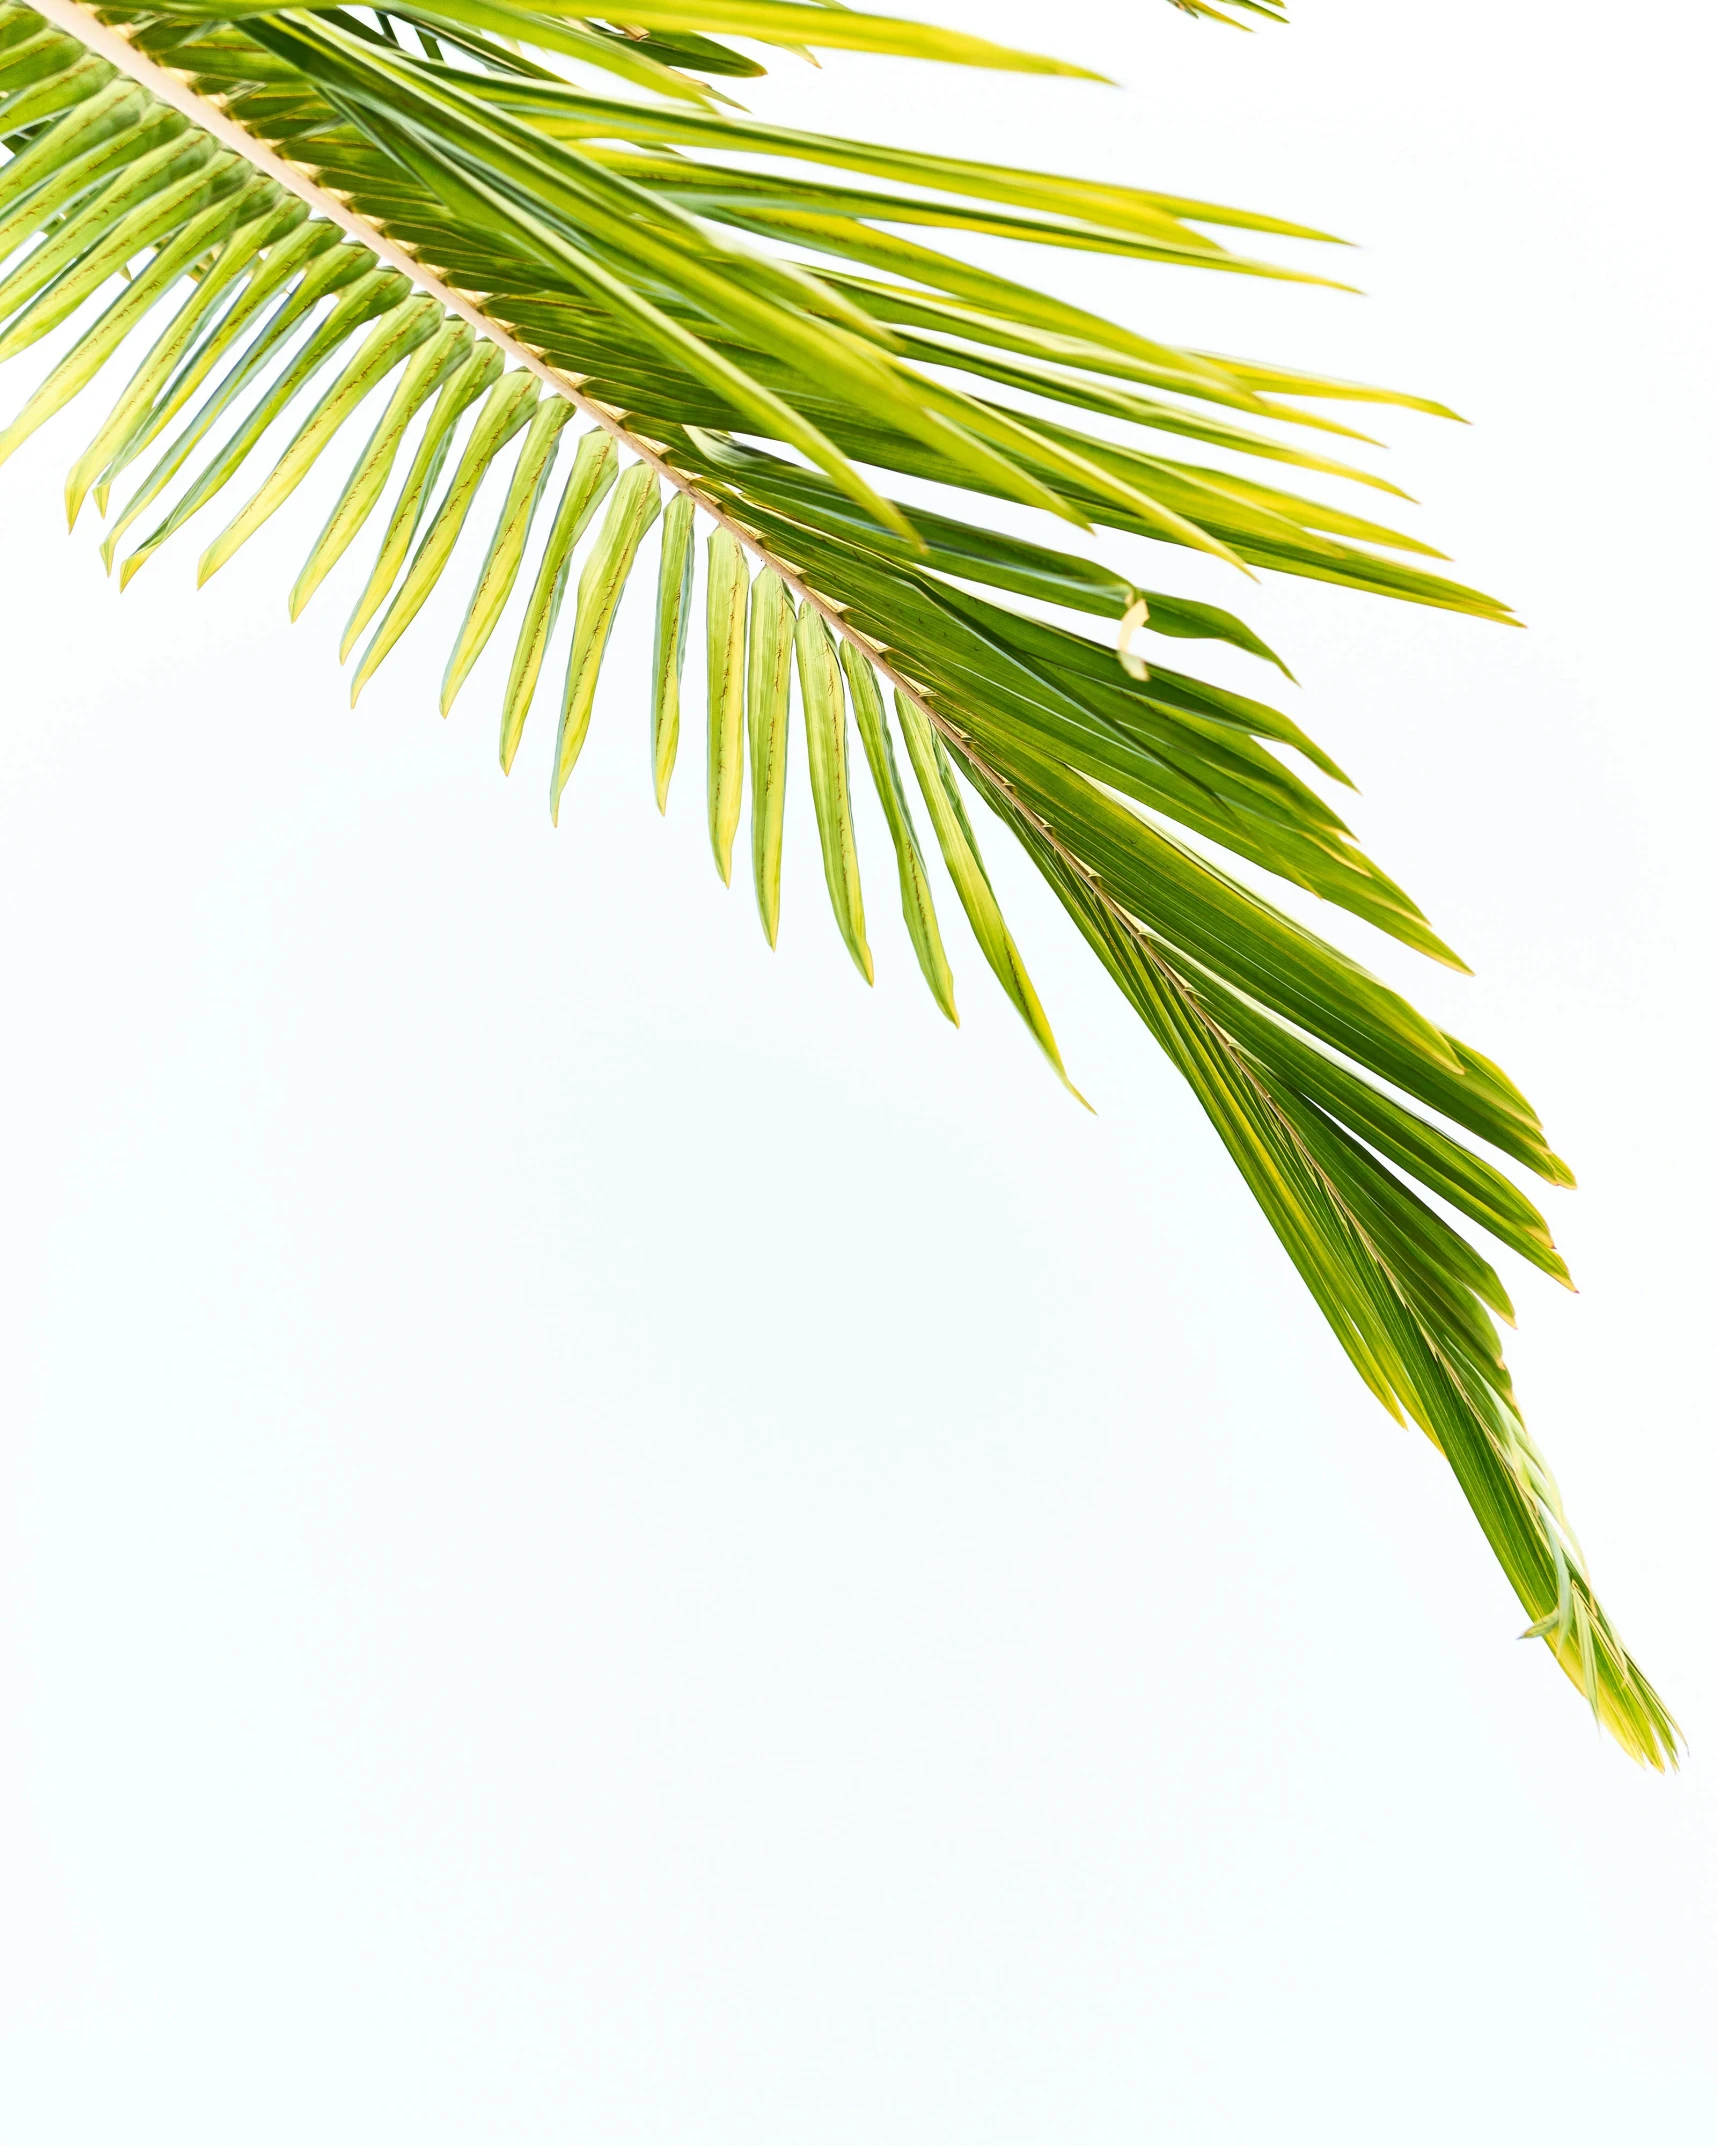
414 209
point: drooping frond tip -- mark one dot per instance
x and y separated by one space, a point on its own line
412 233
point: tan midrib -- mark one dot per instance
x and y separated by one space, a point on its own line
113 45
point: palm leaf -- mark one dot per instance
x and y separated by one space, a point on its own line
411 221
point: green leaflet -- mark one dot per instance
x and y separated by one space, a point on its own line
718 189
507 546
90 196
93 247
971 882
367 295
389 343
429 369
508 408
93 349
43 55
236 259
766 701
636 503
725 637
615 55
916 905
984 555
52 171
673 624
781 21
43 99
459 391
326 266
595 466
825 704
569 113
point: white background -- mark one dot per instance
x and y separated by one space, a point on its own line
609 1537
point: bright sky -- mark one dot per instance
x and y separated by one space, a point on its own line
605 1536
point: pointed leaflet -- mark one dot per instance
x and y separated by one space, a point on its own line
916 905
784 21
971 882
507 547
506 410
89 226
636 503
378 291
151 224
389 343
65 157
93 349
767 679
428 369
326 266
594 468
65 162
235 261
673 624
725 639
825 703
479 371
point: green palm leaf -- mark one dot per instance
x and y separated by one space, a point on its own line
410 221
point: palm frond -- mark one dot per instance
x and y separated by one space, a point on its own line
297 219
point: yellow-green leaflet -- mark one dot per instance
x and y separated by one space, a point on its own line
93 349
388 344
725 619
44 99
971 882
428 368
826 750
237 258
799 25
673 623
326 264
39 182
182 154
505 409
456 397
149 225
767 690
916 905
594 468
507 546
367 295
636 503
53 170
